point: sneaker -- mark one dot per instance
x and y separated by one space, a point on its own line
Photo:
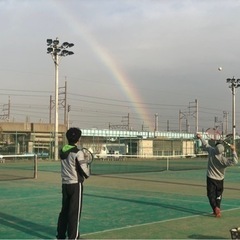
217 212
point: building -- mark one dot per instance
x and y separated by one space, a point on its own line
19 138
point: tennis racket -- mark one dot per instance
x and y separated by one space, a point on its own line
88 156
215 135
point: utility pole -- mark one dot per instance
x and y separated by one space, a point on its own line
233 84
63 101
6 111
225 120
156 123
188 114
125 125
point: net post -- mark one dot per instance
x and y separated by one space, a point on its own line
35 166
167 163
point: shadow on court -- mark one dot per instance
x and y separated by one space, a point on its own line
200 236
162 181
27 227
153 181
162 205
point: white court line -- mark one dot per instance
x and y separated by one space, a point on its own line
146 224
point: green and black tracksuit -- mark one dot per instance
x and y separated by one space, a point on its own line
74 170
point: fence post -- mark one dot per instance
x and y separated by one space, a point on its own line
35 166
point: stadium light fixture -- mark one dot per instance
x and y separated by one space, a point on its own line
57 51
65 44
233 84
49 42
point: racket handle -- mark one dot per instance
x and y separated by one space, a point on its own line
227 143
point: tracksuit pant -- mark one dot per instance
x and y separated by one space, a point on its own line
214 192
69 217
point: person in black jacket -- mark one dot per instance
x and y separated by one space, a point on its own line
74 170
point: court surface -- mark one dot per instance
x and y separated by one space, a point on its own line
143 205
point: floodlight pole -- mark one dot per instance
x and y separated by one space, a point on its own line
233 84
57 50
56 62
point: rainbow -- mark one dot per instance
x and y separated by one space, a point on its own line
118 74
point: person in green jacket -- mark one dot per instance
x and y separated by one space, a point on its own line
74 170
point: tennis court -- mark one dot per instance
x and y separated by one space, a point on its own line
125 204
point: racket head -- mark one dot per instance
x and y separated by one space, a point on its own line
88 156
228 136
213 134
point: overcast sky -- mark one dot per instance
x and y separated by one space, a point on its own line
136 57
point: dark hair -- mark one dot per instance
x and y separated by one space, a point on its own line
73 134
218 142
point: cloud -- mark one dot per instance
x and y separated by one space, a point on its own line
168 51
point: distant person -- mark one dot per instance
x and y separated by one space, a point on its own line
74 170
217 164
111 151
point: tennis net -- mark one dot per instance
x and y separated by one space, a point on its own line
140 163
14 167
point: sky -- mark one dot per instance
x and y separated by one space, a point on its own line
142 64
